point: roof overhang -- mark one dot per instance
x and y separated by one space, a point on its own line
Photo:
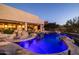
11 13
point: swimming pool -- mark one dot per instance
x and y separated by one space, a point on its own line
48 44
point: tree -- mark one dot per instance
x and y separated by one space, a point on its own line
50 26
72 25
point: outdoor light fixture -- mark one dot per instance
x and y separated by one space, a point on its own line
5 26
19 26
23 26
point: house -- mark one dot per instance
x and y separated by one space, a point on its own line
13 18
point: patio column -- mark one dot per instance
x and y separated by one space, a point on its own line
42 27
26 26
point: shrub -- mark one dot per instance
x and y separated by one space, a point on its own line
8 31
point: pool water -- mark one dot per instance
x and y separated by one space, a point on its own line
47 44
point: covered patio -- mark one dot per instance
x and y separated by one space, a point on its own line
11 17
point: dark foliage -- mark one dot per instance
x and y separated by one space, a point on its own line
51 26
72 25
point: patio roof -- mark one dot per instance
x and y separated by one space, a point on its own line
11 13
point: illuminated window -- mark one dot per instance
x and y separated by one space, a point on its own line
14 26
9 26
1 26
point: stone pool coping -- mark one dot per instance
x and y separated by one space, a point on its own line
17 40
74 49
65 52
